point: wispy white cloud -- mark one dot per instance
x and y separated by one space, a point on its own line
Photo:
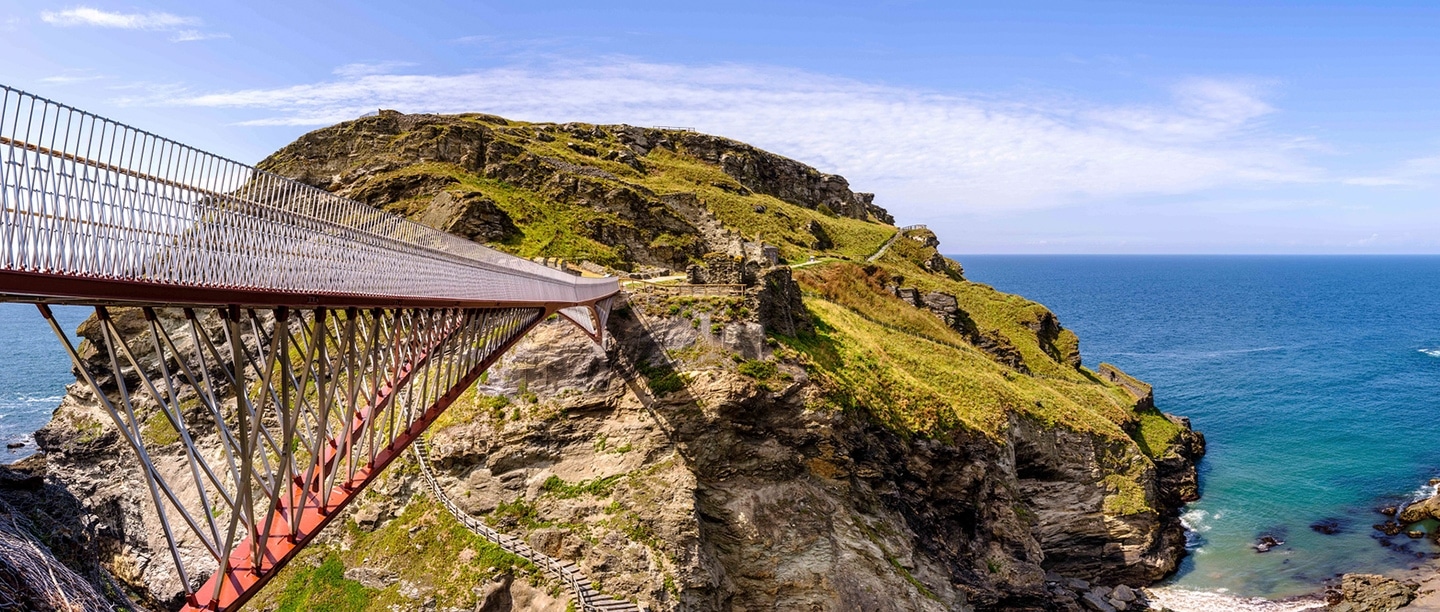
934 152
1418 172
182 28
352 71
71 78
194 35
476 39
86 16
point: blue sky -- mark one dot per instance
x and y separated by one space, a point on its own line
1017 127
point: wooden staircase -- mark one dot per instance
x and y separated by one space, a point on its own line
587 598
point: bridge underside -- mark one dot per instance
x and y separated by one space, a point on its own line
264 348
282 417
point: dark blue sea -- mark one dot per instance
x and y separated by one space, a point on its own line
33 373
1316 381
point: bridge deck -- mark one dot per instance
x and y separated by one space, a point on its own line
298 341
96 211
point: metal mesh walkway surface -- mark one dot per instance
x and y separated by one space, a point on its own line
287 343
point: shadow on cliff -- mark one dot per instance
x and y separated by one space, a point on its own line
49 559
642 362
809 479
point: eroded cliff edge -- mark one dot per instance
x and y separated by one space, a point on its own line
851 435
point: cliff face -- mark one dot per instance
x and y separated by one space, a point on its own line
881 436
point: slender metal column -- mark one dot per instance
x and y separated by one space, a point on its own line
290 408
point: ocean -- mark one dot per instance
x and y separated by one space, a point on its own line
33 373
1316 381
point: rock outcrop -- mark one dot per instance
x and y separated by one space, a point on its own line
750 449
1371 593
49 555
781 177
1418 511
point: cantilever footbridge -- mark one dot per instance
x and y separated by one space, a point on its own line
296 342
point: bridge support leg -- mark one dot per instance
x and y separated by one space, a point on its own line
279 418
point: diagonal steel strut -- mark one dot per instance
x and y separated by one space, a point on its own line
298 341
268 510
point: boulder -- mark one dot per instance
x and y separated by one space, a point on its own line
1372 593
1421 510
1096 602
1123 593
910 295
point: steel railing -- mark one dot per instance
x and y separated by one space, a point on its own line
83 197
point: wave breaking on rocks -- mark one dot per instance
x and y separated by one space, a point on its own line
1187 600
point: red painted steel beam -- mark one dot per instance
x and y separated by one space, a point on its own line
49 288
245 578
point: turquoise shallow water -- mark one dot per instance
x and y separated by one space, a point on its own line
33 373
1310 377
1316 381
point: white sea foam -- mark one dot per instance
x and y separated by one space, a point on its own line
1433 352
1186 600
22 398
1194 520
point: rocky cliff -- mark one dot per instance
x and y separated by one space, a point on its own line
848 436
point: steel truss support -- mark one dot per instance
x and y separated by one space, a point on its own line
254 428
283 344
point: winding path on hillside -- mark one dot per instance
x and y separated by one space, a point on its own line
886 247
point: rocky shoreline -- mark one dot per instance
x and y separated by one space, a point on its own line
742 451
1400 526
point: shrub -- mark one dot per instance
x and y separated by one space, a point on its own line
598 487
663 379
758 370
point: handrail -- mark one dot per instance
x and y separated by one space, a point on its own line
93 209
586 598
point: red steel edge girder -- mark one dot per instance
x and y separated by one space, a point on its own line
43 287
244 579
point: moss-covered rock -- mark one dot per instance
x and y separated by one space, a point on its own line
832 435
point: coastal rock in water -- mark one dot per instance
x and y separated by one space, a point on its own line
1265 543
722 491
1389 510
1372 593
1421 510
1389 528
1328 526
